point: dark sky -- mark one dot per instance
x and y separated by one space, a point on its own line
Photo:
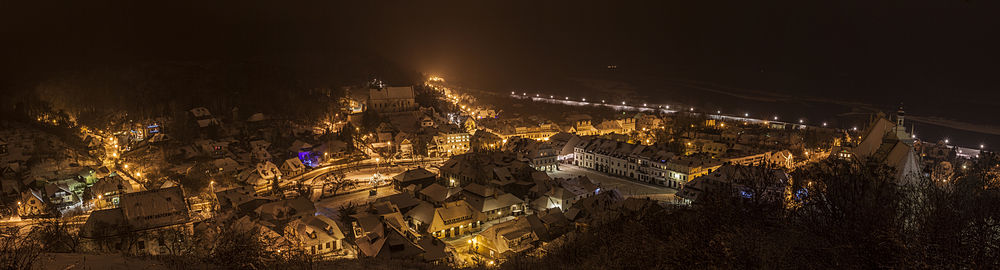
938 56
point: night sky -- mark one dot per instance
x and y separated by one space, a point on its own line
939 57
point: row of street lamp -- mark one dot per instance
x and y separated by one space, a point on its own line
691 109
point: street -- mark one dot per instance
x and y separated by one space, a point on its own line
357 198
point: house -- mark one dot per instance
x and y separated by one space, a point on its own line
438 195
293 167
145 211
202 118
502 205
403 200
452 143
420 217
32 204
567 192
744 181
65 193
264 174
505 239
539 155
420 177
492 204
304 151
212 148
427 121
226 165
454 219
283 211
380 232
601 208
318 234
107 191
549 224
229 199
258 151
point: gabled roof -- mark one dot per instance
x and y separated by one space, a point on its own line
501 201
319 229
110 185
413 175
235 196
403 200
423 212
200 112
480 190
392 92
155 208
503 175
438 193
293 164
454 210
285 209
101 223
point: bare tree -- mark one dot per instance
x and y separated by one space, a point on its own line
17 250
336 182
56 235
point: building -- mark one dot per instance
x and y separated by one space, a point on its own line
420 177
738 180
391 99
439 195
509 130
293 167
107 191
149 211
482 168
452 143
885 142
650 164
319 235
32 204
455 219
539 155
505 239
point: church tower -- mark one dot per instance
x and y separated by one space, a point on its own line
900 127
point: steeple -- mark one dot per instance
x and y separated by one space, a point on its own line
900 127
899 116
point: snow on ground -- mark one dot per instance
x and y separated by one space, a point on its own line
66 261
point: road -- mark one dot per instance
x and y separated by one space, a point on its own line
357 198
627 187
